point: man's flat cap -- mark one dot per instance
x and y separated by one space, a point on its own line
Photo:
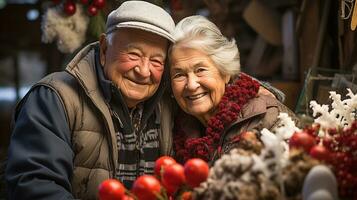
141 15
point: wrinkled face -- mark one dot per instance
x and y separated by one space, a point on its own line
197 84
134 62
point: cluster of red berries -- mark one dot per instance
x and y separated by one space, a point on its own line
93 6
171 181
337 148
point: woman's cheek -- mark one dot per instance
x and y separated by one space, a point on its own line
177 89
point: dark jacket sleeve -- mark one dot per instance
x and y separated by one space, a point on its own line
40 159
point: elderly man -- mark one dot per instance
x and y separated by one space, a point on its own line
99 118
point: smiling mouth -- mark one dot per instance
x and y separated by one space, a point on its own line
138 82
197 96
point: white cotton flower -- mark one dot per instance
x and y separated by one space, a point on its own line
342 113
268 138
275 141
68 31
260 165
286 126
285 156
246 177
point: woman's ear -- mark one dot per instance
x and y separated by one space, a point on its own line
103 48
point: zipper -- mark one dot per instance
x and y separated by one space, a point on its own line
115 114
112 113
138 164
117 117
111 147
138 148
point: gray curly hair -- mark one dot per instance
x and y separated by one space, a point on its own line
197 32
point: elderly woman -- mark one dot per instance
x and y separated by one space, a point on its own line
219 102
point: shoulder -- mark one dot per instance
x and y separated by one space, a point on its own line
40 103
41 91
62 83
68 92
262 104
57 79
259 106
260 112
270 108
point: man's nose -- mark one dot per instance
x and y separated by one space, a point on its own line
192 82
143 67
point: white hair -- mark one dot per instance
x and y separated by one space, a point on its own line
197 32
109 37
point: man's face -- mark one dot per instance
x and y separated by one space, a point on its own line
134 61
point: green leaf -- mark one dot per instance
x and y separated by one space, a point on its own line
97 25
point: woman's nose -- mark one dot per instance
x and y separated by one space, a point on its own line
192 82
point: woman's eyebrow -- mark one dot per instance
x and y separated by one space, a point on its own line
176 68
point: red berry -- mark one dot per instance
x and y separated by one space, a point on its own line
173 177
99 3
332 131
320 152
56 1
146 187
92 10
196 172
328 143
249 136
354 125
111 189
302 140
170 189
69 8
161 163
127 197
353 144
186 195
84 2
176 5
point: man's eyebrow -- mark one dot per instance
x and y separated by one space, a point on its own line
133 46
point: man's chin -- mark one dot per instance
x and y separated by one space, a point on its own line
135 96
133 100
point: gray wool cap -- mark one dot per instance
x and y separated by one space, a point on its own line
141 15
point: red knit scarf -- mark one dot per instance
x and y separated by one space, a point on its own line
234 98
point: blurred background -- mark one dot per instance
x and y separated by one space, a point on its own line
303 47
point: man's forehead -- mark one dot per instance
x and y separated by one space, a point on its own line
127 40
135 33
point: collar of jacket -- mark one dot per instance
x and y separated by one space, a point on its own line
82 68
254 107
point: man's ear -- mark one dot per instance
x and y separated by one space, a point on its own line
103 48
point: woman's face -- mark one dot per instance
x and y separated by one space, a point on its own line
197 84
